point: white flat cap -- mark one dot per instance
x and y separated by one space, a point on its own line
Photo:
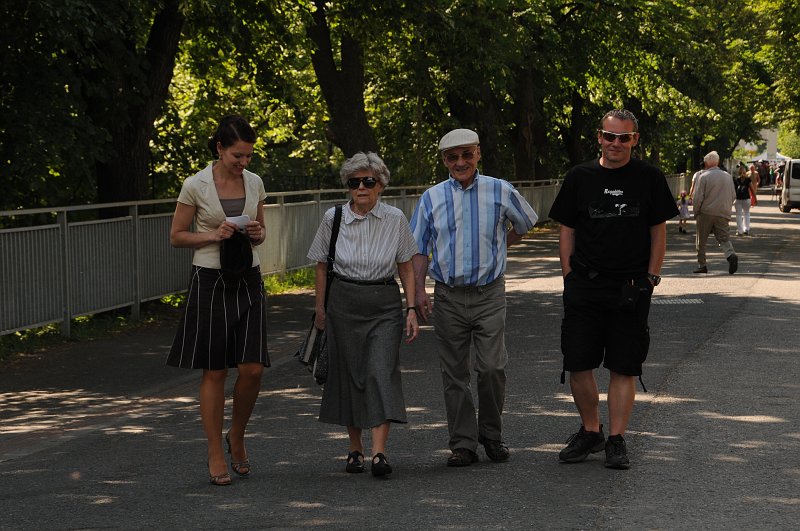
458 138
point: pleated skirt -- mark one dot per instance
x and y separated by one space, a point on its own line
365 327
224 322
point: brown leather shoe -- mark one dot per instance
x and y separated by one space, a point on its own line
462 457
495 450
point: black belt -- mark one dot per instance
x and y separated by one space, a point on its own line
586 271
474 286
582 269
380 282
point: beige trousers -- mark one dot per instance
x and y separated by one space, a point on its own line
716 225
474 317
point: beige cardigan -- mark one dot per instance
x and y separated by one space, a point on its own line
199 191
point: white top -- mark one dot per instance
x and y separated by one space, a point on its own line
200 192
369 247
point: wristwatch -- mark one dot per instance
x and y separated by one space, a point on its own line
654 279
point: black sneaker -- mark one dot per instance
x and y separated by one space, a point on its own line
581 444
616 454
495 450
733 263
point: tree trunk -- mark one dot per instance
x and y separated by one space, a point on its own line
123 176
342 88
483 117
488 118
530 133
572 136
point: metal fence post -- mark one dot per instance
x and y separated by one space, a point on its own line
282 262
137 263
66 274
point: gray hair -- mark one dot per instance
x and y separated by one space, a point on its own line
621 114
365 161
711 159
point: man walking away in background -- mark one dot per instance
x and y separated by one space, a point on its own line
714 196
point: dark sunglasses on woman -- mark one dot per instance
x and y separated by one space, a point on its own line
368 182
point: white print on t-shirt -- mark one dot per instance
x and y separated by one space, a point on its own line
612 192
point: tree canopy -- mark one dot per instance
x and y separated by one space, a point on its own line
111 100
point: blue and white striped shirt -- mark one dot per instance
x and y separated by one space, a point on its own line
465 229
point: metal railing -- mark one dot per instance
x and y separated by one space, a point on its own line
55 271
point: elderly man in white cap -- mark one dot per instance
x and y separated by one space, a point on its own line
462 224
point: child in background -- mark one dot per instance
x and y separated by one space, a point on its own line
683 211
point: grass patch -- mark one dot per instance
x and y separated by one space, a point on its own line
86 328
546 226
297 279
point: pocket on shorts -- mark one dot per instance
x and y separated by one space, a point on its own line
641 340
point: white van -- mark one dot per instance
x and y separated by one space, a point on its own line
790 195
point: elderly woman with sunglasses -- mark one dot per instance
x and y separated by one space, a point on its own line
364 318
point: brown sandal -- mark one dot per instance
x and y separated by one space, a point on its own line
220 480
238 466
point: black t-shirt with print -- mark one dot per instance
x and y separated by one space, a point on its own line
612 211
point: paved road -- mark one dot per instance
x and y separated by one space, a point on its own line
102 435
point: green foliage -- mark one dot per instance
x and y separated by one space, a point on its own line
789 142
298 279
532 76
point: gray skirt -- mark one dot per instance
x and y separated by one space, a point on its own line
365 326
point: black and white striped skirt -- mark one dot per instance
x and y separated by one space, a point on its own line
224 322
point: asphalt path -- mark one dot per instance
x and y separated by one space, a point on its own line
100 434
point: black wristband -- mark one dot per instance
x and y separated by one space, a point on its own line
411 308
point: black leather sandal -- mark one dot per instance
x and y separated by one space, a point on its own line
355 462
380 466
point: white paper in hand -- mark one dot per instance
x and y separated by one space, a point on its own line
239 221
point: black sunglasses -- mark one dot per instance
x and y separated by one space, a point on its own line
624 138
354 182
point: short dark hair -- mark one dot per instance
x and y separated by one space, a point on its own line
621 114
231 129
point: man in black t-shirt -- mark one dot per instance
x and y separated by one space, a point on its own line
613 214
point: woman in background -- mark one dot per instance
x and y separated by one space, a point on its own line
745 192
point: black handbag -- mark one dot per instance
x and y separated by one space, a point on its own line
236 254
313 351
